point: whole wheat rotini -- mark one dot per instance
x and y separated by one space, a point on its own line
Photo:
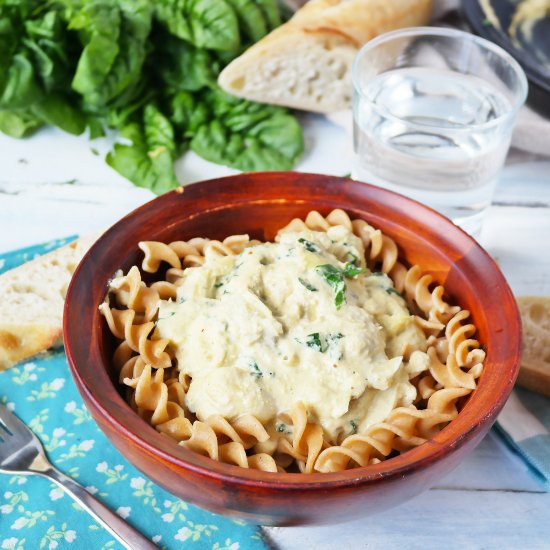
156 389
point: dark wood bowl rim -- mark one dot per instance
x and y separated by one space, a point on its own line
455 435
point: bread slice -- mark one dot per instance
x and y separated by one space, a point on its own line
535 357
31 302
306 63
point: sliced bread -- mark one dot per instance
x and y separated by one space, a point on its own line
535 357
306 63
31 302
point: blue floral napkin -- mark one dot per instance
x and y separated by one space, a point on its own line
36 514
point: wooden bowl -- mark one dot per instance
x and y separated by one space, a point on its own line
259 204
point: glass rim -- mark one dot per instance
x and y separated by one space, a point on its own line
448 33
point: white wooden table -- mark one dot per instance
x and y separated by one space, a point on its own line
54 186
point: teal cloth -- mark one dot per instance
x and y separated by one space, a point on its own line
36 514
535 451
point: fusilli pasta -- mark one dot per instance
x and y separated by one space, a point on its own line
156 389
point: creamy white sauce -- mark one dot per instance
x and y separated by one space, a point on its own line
259 331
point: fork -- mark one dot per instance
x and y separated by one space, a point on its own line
22 453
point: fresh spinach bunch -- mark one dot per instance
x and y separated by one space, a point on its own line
35 65
147 69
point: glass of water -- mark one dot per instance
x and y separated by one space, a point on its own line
433 113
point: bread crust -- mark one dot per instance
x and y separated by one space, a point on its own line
20 342
535 358
31 302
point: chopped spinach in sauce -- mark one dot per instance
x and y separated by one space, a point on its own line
314 341
309 286
309 246
354 259
335 279
255 369
171 314
321 344
351 270
391 290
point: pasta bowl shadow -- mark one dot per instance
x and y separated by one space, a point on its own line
259 204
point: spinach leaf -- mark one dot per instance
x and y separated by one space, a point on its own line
335 279
99 23
271 13
18 124
148 162
280 136
204 23
12 17
21 88
136 97
47 47
115 37
248 136
252 18
188 113
54 109
186 67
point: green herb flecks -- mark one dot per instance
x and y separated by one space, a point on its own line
334 277
255 369
392 290
321 343
332 345
309 246
333 338
351 270
307 285
314 341
171 314
281 428
354 259
353 425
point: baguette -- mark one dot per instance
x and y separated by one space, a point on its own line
31 302
306 63
535 358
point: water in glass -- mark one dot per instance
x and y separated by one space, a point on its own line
427 133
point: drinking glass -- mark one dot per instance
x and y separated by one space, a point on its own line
433 113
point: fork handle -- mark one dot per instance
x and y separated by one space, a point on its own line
122 531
